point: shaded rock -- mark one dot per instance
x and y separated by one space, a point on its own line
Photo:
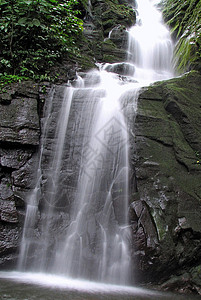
6 98
6 192
120 68
24 177
9 243
8 212
168 175
105 36
145 237
14 158
183 283
19 120
19 136
119 36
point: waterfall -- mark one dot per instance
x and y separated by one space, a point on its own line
150 47
77 216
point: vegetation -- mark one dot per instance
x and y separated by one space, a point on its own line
184 17
8 79
35 34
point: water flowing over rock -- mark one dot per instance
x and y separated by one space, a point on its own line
113 189
84 179
83 174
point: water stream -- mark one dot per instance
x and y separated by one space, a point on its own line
77 216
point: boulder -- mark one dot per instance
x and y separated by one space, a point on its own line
123 68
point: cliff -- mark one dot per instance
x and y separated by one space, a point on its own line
166 219
165 206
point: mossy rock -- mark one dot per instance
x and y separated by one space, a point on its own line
106 16
168 170
111 53
109 13
117 14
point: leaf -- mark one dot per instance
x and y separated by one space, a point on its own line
22 21
36 22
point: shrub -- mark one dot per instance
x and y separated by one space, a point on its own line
35 34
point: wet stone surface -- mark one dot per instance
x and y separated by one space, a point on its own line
19 139
168 184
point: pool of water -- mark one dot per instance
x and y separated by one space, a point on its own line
31 286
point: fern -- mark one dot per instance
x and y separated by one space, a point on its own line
184 19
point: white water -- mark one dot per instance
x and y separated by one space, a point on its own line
150 45
83 229
23 286
94 233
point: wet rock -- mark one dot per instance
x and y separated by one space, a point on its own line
24 177
6 192
20 132
168 175
8 212
91 78
121 68
14 158
112 53
9 243
119 36
105 32
19 120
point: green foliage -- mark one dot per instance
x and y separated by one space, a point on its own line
8 79
35 34
184 18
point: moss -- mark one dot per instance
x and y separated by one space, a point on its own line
196 274
105 15
119 12
111 53
171 138
110 13
85 63
161 227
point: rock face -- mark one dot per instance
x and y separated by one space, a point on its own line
166 207
19 119
165 210
19 139
105 32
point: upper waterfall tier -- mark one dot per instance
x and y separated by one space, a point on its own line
150 46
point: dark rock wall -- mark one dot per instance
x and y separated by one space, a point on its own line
166 208
19 140
105 35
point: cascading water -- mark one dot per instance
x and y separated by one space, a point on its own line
150 45
80 203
